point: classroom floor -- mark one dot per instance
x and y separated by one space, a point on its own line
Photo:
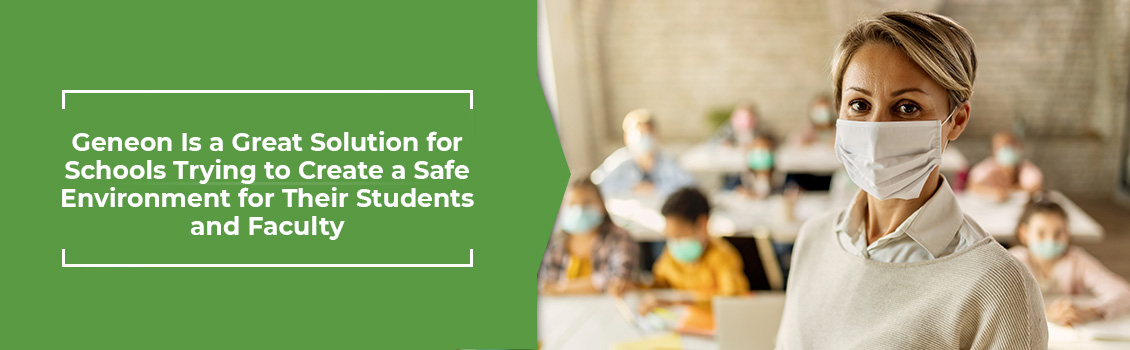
1114 250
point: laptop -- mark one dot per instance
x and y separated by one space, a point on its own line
748 322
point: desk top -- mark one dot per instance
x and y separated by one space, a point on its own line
595 322
735 214
732 214
999 219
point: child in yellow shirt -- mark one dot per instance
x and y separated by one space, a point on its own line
693 261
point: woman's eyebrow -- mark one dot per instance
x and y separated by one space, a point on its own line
865 92
906 90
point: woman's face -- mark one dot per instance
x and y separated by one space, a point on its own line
882 84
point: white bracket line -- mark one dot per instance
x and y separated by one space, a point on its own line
470 93
470 263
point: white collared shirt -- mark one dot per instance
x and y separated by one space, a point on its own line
936 229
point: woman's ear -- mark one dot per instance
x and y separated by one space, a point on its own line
960 120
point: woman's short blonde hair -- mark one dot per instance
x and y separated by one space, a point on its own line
936 43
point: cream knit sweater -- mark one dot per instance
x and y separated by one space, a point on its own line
978 298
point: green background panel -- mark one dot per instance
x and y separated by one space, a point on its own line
518 174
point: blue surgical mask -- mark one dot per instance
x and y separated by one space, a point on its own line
1047 249
1008 156
577 219
642 144
760 159
686 250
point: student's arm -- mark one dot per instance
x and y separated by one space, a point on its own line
1112 292
1031 178
618 181
660 273
551 266
670 176
981 181
622 264
732 281
729 275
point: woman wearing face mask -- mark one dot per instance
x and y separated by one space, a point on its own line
1005 171
1064 271
593 255
902 267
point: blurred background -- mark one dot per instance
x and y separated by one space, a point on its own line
1055 72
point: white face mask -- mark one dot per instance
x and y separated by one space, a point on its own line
890 159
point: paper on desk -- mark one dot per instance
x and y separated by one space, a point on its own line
1107 330
660 342
1117 329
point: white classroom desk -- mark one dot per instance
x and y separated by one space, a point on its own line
999 219
731 214
1097 335
713 157
595 322
817 158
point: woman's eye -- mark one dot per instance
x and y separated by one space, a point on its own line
858 106
907 108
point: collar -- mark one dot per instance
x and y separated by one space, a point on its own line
933 226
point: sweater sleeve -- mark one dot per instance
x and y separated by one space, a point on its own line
1012 314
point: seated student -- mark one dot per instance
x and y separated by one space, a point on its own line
740 129
821 126
1005 171
593 255
1064 271
760 180
693 261
640 167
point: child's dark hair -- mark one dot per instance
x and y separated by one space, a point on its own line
688 203
1038 203
586 183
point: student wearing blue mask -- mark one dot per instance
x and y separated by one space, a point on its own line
694 261
760 180
590 254
1065 272
640 167
821 126
1005 171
